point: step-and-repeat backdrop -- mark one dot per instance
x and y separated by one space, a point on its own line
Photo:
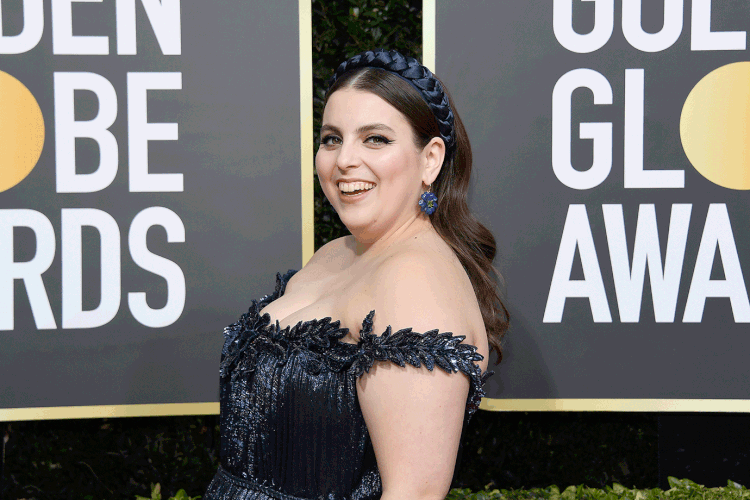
149 189
612 162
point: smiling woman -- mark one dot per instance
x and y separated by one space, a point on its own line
319 397
354 151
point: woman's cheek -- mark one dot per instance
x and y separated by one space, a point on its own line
323 167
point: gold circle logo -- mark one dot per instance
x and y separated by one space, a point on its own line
715 126
21 131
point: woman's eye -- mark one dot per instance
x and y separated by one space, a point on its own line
330 139
377 139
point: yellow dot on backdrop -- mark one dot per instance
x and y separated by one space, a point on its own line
715 126
21 131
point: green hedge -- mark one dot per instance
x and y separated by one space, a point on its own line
523 450
680 489
108 459
122 457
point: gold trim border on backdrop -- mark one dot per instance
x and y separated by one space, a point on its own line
619 405
429 27
306 129
308 247
489 404
429 51
111 411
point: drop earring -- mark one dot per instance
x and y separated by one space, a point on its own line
428 201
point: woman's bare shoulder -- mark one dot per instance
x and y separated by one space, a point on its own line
422 285
327 260
334 253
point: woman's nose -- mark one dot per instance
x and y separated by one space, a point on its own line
348 156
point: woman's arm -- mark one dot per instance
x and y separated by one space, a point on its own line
414 416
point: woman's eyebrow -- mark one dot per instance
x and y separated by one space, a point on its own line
360 130
374 126
329 128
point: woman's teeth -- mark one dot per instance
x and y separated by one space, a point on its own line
351 188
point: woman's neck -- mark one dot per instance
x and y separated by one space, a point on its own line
376 245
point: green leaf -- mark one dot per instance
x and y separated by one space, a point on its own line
156 491
181 495
569 493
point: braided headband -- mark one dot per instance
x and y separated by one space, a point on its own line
417 76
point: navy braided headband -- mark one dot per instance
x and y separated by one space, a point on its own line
416 75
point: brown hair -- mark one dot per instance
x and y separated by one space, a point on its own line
473 243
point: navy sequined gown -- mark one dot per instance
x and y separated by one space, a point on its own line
291 426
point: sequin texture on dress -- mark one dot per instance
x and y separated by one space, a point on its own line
291 427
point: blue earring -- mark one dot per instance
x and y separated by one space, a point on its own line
428 201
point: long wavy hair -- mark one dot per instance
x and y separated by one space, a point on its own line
472 242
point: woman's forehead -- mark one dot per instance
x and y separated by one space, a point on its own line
354 108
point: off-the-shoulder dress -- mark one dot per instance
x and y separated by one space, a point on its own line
291 426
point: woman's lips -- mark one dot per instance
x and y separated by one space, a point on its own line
355 187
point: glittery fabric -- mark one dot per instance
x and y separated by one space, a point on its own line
291 426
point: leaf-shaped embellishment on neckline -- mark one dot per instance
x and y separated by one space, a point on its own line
430 348
320 339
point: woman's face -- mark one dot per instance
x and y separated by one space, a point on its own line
368 164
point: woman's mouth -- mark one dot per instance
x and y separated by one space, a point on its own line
355 188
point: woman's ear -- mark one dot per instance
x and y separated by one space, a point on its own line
433 155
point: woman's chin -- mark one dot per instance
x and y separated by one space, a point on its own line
356 225
356 212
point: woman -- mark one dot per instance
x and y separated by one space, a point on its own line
345 409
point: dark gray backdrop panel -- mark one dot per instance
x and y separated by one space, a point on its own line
501 61
239 152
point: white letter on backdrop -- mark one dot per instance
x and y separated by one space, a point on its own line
29 271
701 36
140 132
577 234
665 281
601 133
562 24
72 221
717 233
67 129
63 40
651 42
164 17
157 318
33 26
635 176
